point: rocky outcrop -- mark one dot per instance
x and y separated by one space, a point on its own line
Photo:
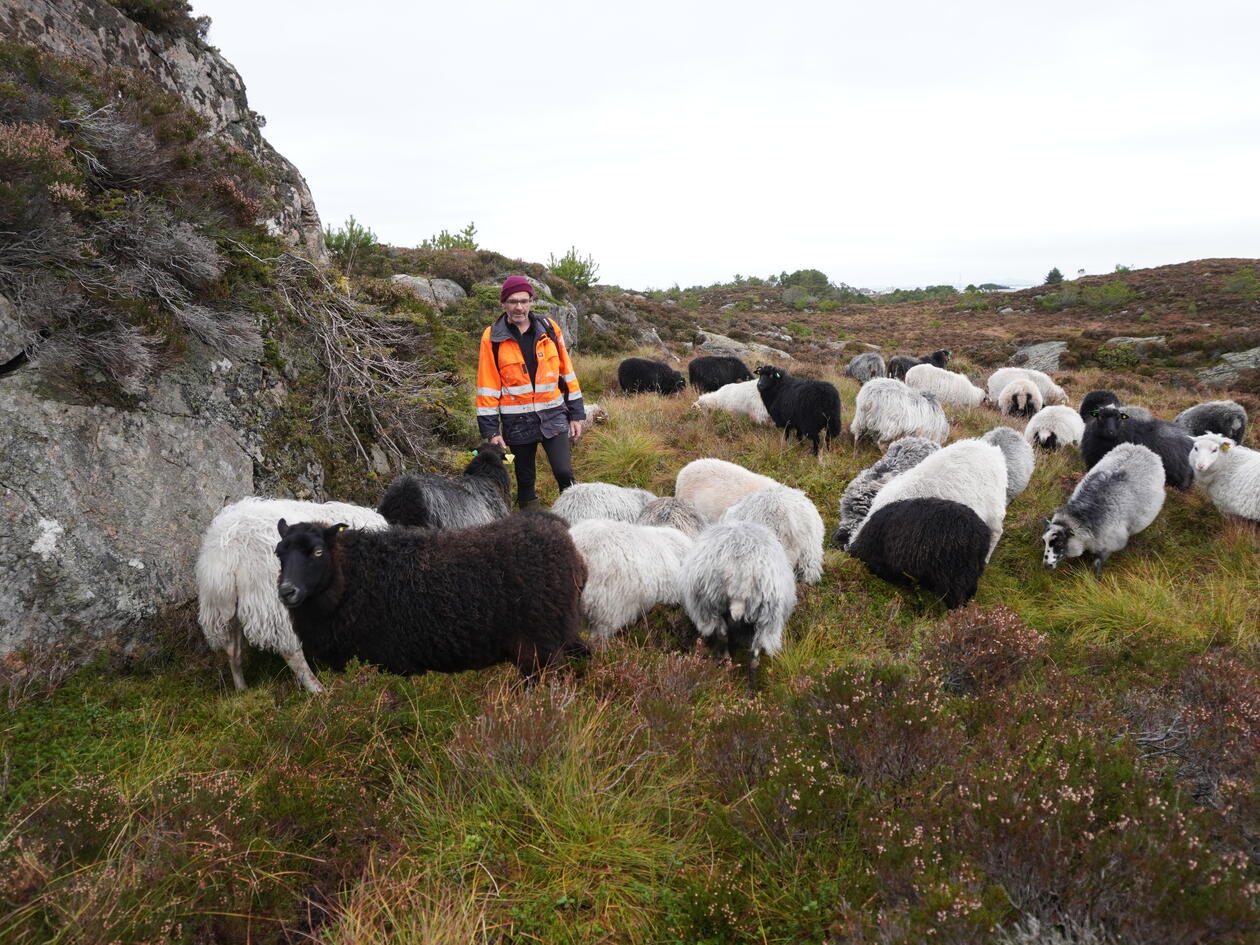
1223 375
1151 346
439 292
709 343
94 32
1043 356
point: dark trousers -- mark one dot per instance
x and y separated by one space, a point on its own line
558 455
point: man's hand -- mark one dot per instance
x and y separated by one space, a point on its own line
575 430
498 441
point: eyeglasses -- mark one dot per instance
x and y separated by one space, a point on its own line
518 302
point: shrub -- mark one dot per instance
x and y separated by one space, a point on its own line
345 244
1242 282
1109 296
1116 357
574 268
464 239
166 17
976 650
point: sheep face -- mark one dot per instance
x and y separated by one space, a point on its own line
1207 450
1061 542
305 559
1110 420
768 376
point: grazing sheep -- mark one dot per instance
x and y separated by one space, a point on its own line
1019 458
672 513
1096 399
865 366
713 485
935 543
799 404
1117 499
855 503
477 496
601 500
711 372
410 600
948 386
1051 393
641 376
887 410
900 364
630 569
1228 473
793 518
1020 398
1113 425
738 590
1052 427
595 414
968 471
741 398
1226 417
236 575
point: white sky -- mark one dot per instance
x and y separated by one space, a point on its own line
903 143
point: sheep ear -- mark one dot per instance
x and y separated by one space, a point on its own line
282 527
330 533
1224 447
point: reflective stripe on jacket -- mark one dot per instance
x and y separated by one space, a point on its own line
528 410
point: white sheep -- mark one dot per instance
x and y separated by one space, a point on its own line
670 512
1020 398
595 414
741 397
887 409
950 387
793 518
714 485
1051 393
738 590
631 568
1228 473
1052 427
970 472
601 500
237 572
1019 458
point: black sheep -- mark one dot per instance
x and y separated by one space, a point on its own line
416 599
900 363
641 376
938 544
710 372
1095 399
799 404
1112 425
479 495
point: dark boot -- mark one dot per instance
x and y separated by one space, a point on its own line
530 504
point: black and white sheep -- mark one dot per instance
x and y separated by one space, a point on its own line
887 410
1019 458
479 495
935 543
739 591
899 364
672 512
410 600
855 503
1228 473
949 387
865 366
742 398
1020 398
642 376
1052 427
1114 425
795 521
1118 498
1226 417
1051 393
800 405
236 576
710 372
601 500
713 485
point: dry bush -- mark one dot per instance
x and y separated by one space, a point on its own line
976 650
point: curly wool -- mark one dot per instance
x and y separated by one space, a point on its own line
800 405
865 366
742 398
794 520
479 495
1019 458
643 376
948 386
855 503
712 372
670 512
714 485
601 500
1228 473
888 409
1051 393
1224 417
1020 398
1113 425
1052 427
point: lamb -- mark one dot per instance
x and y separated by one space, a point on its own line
1228 473
855 503
900 364
236 575
968 471
742 398
640 376
1052 427
600 500
477 496
1226 417
935 543
410 600
1019 458
1020 398
709 373
738 590
673 513
887 410
1096 399
793 518
867 365
714 485
1113 425
1051 393
799 404
948 386
630 569
1118 498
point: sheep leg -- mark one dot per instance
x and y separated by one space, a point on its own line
302 671
233 646
1099 561
754 661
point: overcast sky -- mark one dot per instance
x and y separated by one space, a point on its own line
906 143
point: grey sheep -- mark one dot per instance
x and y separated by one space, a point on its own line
601 500
672 513
1019 458
1224 417
855 503
865 366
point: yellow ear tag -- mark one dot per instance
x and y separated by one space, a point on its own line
508 457
341 528
1224 447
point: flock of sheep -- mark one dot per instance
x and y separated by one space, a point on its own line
442 577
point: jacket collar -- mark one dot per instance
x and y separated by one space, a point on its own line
499 331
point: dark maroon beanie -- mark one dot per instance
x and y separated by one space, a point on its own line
514 284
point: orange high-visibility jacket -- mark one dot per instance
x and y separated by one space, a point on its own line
528 411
